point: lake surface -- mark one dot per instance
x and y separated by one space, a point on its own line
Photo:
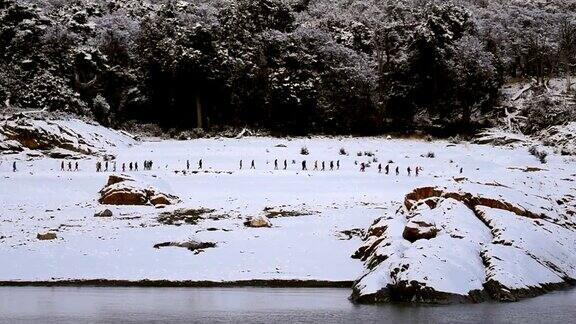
256 305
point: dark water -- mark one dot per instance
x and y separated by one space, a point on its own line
256 305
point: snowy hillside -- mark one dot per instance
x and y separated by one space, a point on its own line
502 227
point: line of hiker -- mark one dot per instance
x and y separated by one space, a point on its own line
200 164
69 164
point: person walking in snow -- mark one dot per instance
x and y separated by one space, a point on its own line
417 170
62 166
106 166
131 166
123 167
409 171
323 166
276 164
461 170
114 166
362 167
69 166
98 166
240 165
397 170
252 165
188 165
380 168
315 165
76 166
285 164
14 169
200 164
331 165
387 168
304 165
135 166
338 165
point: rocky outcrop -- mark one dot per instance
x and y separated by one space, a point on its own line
123 190
58 137
452 245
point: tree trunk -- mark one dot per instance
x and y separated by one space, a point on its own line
568 79
198 112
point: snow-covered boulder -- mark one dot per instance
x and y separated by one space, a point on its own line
258 221
123 190
104 213
448 245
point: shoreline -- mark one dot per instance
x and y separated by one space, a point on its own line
265 283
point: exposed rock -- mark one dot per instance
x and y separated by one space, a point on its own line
104 213
349 234
416 230
160 199
258 221
46 236
190 245
183 215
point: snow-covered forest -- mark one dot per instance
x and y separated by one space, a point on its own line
296 66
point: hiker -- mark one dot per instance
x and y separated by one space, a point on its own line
62 166
97 167
188 164
397 170
380 168
130 165
252 165
417 170
387 168
461 169
114 166
69 166
316 165
323 166
200 164
331 165
362 167
135 166
76 166
409 170
123 167
150 165
304 165
338 165
240 164
106 166
14 167
276 164
285 164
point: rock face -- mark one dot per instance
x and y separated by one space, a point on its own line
454 245
46 236
258 221
123 190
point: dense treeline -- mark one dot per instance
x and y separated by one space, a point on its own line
333 66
